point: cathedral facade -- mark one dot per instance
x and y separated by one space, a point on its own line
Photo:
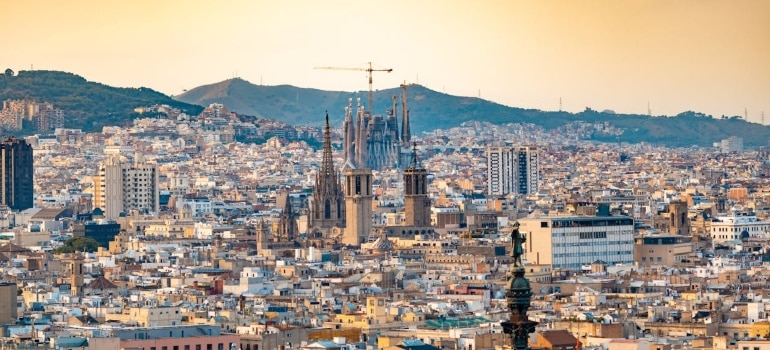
373 141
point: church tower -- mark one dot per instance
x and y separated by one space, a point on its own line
416 201
76 274
327 207
358 204
261 237
287 225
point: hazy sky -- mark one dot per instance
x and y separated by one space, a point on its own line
708 56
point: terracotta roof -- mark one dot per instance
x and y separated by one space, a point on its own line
102 283
13 248
559 337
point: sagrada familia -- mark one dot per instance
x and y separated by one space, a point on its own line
374 142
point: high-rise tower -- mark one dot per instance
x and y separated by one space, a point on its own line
16 190
416 201
512 170
327 206
358 203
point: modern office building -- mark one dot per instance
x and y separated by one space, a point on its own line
122 186
575 242
512 170
16 187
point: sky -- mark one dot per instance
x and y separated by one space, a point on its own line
622 55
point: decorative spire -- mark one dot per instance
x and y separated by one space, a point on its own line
415 162
327 165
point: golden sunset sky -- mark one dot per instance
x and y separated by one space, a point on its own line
707 56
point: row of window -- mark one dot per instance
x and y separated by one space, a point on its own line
220 346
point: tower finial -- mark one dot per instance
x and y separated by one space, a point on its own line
414 154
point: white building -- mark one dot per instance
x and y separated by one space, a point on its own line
199 206
733 144
572 242
121 187
512 170
736 226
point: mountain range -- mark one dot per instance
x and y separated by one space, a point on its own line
91 105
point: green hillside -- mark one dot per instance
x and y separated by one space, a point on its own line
87 105
90 106
431 110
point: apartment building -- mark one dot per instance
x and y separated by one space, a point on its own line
512 170
122 186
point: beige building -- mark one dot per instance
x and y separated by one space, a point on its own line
662 250
149 316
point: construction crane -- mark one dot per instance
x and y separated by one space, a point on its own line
369 69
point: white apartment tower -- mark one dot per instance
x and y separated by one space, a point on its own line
122 186
512 170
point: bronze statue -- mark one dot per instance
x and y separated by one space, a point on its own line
517 241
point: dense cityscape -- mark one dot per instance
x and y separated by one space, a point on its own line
170 233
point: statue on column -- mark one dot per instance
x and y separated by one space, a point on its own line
517 248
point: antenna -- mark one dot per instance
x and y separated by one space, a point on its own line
649 111
762 118
559 104
745 113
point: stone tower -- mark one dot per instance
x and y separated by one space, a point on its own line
327 207
358 204
76 274
261 237
416 201
287 226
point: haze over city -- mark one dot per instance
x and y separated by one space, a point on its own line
707 56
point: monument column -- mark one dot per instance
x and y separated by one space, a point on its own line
518 295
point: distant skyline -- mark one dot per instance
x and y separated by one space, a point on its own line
706 56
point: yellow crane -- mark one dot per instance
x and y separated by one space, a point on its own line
369 69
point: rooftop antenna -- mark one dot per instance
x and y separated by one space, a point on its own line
762 118
649 111
745 113
559 104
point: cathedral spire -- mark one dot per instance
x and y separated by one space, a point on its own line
327 164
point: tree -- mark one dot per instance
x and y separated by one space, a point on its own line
9 72
78 244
